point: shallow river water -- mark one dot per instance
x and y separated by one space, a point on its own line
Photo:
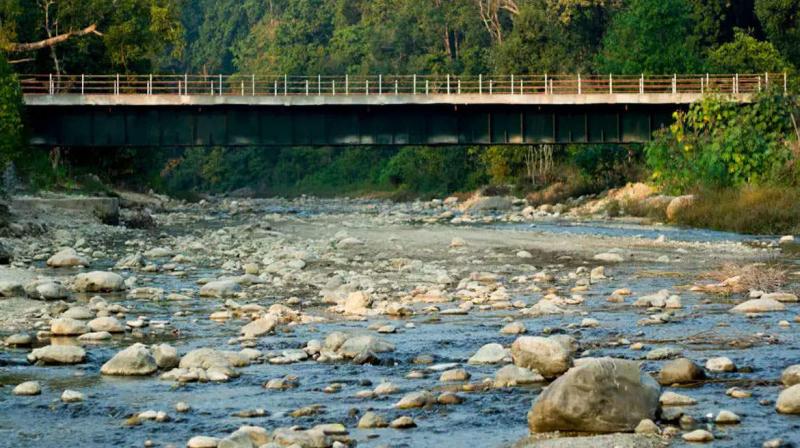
702 328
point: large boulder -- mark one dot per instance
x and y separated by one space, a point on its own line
133 361
761 305
357 345
11 289
58 354
791 375
488 203
259 327
601 395
789 400
549 356
489 354
67 258
46 289
106 323
99 281
677 205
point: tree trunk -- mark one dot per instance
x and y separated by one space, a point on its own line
51 41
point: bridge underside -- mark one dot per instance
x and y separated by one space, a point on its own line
350 125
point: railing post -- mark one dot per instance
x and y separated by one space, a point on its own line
480 84
179 87
522 86
785 83
285 84
459 86
253 85
346 84
415 83
380 84
275 88
333 87
702 86
448 84
117 84
491 86
641 85
545 83
610 84
82 84
512 84
427 86
766 80
674 83
580 85
366 88
242 88
221 90
396 88
306 87
734 84
150 85
319 85
759 83
185 83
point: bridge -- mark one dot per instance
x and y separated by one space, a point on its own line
260 110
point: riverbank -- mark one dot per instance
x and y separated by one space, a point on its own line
337 315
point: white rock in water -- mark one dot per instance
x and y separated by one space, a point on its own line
349 242
67 257
46 289
58 354
727 418
11 289
759 306
609 257
791 375
673 399
416 400
615 396
698 436
720 364
220 289
259 327
108 323
785 297
489 354
28 388
512 375
134 360
789 400
99 282
72 396
548 356
202 442
68 327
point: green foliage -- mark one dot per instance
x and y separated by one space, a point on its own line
719 144
607 166
746 54
781 22
651 37
11 142
432 170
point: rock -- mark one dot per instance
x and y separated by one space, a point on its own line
220 289
10 289
257 435
28 388
106 323
775 443
673 399
680 371
134 360
720 364
67 258
416 400
488 203
357 303
166 356
46 289
647 426
68 327
457 242
601 395
548 356
791 375
677 205
356 345
759 306
727 418
349 242
58 354
454 375
609 257
489 354
72 396
789 400
95 336
182 407
79 313
259 327
371 420
781 297
403 422
207 358
18 340
514 328
698 436
512 375
98 281
663 353
202 442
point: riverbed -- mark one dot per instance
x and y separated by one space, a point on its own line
461 282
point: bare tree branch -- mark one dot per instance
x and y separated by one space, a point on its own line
51 41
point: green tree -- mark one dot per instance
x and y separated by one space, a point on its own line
746 54
10 114
781 22
651 37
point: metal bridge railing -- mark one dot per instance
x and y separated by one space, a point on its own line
286 85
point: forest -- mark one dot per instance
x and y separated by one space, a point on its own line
714 146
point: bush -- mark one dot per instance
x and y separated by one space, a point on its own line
721 144
751 209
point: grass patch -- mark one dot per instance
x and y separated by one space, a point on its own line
753 210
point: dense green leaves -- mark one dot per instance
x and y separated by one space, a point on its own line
746 55
10 114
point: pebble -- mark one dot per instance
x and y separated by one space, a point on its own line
403 422
726 417
72 396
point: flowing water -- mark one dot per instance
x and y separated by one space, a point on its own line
493 417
